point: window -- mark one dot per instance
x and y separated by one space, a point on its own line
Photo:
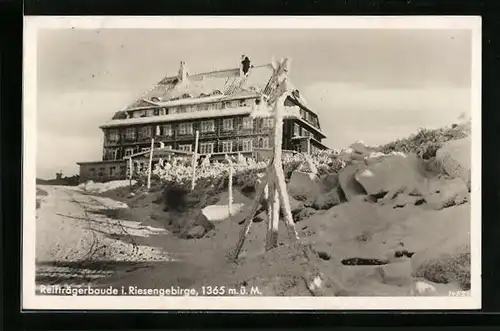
186 148
207 126
203 106
101 171
113 154
92 171
173 110
242 103
145 132
206 148
130 134
163 111
303 113
129 151
268 122
264 143
296 129
186 128
247 123
247 145
123 170
182 110
227 124
150 112
112 171
166 130
113 136
145 149
227 146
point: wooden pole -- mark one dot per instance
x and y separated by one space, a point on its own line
131 170
150 161
195 156
272 217
273 184
230 198
278 169
250 217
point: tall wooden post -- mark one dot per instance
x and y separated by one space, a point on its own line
150 161
131 170
284 201
230 187
276 186
195 156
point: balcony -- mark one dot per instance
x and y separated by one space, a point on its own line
111 142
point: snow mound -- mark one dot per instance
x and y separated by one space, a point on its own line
93 187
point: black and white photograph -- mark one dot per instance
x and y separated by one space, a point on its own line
252 163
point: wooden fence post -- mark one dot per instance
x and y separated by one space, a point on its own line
230 187
150 161
131 170
195 156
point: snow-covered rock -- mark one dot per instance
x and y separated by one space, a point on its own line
327 200
349 184
447 193
455 159
397 273
304 186
217 213
421 288
391 173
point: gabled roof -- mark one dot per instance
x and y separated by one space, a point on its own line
207 87
215 83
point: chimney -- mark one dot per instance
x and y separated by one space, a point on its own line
245 65
182 72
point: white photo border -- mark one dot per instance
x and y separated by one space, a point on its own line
34 23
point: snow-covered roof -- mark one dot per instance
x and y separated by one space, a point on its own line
222 82
196 101
179 117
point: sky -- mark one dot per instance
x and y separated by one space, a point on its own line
364 84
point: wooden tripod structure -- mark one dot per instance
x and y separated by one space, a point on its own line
272 186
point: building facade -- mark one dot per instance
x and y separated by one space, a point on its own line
218 104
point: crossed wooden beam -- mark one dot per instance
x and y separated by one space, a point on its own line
272 186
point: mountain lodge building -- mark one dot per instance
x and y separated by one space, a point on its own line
217 104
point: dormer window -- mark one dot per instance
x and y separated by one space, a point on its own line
155 99
186 96
216 92
203 95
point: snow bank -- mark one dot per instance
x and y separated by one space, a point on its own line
93 187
